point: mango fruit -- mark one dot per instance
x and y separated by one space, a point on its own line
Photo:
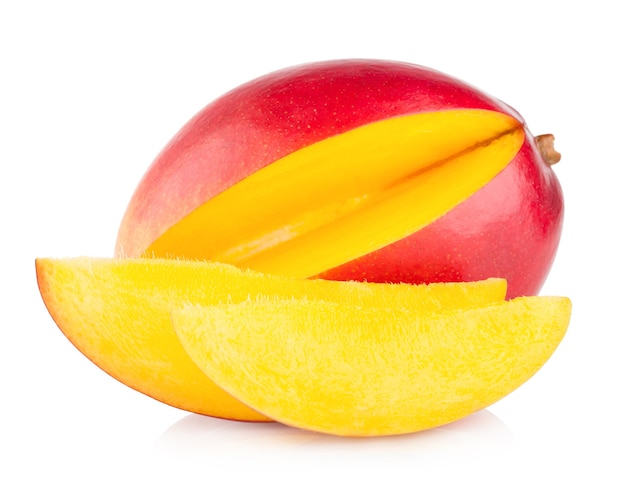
117 313
355 170
351 247
369 371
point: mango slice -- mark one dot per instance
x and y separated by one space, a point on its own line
361 371
117 313
347 195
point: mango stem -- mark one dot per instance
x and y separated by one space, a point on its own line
545 143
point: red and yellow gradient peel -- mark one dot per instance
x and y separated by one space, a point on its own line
367 170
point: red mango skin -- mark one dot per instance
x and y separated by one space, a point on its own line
510 228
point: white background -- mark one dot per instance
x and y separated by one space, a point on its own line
90 92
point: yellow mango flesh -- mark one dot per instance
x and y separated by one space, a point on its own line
339 199
360 371
117 313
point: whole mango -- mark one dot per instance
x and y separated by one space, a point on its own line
363 170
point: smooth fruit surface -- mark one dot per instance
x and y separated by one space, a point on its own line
362 371
117 313
473 196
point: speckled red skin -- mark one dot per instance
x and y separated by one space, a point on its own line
510 228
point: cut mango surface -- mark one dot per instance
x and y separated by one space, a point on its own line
117 313
348 195
360 371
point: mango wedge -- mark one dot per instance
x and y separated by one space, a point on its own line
347 195
361 371
117 313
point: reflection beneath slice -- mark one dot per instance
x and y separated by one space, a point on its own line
200 438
